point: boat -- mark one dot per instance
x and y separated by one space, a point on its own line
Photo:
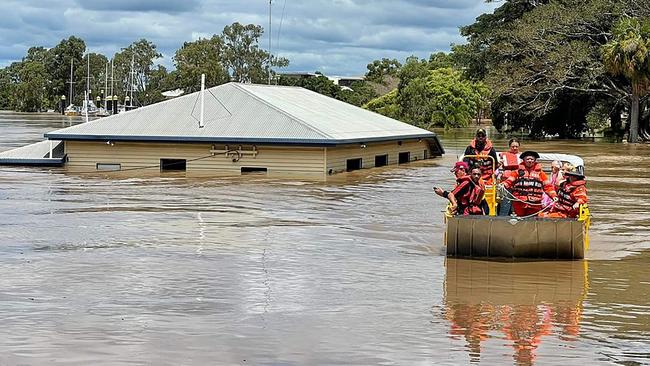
511 237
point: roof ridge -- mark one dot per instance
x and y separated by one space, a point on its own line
297 119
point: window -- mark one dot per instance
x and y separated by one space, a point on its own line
353 164
426 154
253 170
109 166
172 164
404 157
381 160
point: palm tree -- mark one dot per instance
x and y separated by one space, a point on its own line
628 55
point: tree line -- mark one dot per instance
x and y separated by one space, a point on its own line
549 67
563 66
42 77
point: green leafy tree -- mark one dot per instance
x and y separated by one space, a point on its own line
379 70
58 66
359 93
158 83
203 56
385 105
94 81
31 88
244 59
138 58
542 62
440 60
8 77
628 55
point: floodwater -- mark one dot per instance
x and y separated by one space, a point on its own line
170 270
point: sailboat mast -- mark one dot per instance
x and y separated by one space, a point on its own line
106 86
88 78
112 91
132 79
70 82
270 57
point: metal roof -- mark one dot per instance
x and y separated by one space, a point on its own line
34 154
247 113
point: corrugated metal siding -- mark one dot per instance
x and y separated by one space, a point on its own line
84 156
337 157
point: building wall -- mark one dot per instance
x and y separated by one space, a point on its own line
84 156
337 156
313 161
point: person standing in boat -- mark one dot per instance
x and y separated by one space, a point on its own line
528 184
509 162
571 195
481 145
467 197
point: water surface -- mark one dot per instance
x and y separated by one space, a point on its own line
168 269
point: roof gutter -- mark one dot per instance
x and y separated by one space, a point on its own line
239 140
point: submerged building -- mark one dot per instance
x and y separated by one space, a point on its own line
246 128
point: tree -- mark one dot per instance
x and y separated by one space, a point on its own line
440 60
94 81
628 55
542 62
244 59
138 58
454 100
378 70
58 66
385 105
31 88
203 56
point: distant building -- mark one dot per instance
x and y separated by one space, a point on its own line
246 128
345 81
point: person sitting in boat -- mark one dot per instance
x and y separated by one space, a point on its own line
528 184
571 195
481 145
459 170
467 197
556 178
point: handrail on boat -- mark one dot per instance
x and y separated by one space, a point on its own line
490 189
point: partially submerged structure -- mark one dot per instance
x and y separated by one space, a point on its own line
239 128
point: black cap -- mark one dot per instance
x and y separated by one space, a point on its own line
578 172
481 131
529 153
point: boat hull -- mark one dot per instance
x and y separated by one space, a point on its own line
505 237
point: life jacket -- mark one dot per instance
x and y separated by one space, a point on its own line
510 161
568 195
469 203
484 163
528 185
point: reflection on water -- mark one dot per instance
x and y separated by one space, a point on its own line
167 269
520 303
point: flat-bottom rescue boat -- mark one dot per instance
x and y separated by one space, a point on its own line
511 237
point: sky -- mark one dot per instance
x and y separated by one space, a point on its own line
336 37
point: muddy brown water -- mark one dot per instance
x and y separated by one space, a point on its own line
169 270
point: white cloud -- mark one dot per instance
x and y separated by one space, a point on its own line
335 36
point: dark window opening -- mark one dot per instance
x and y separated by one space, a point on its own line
353 164
253 170
404 157
381 160
173 164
